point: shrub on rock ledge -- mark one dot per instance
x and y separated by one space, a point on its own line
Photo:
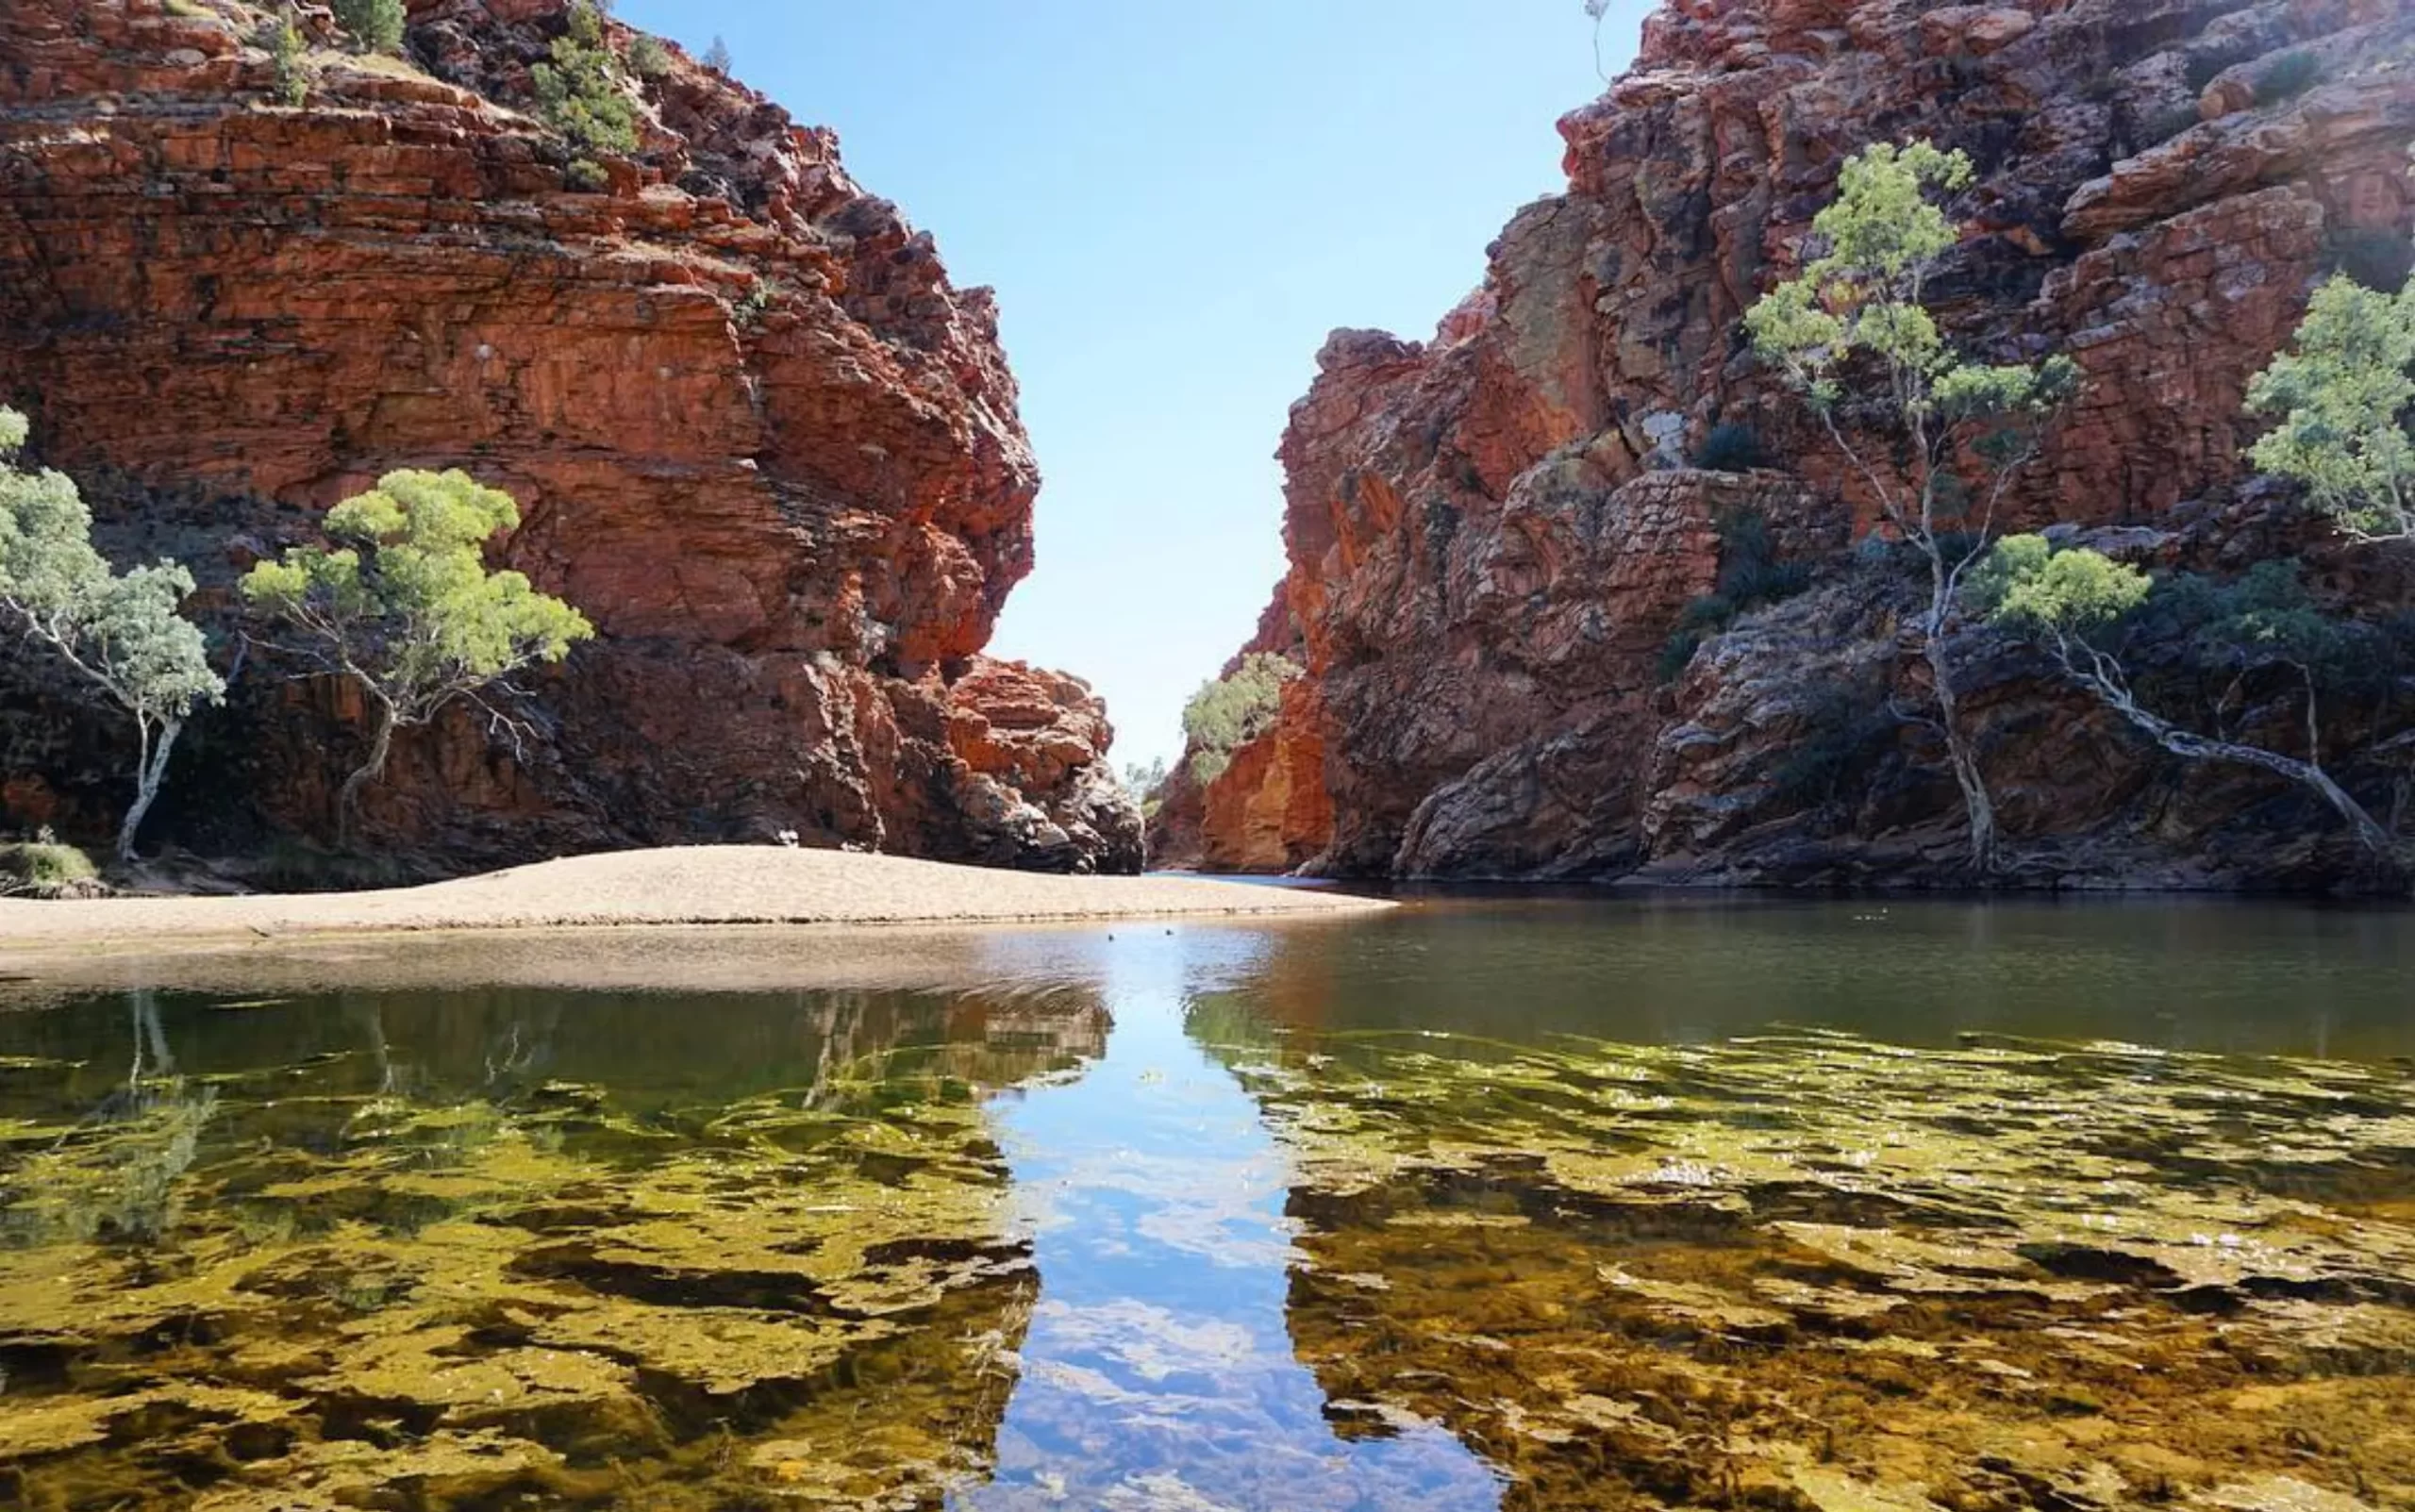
1226 714
1730 447
2287 77
377 25
580 96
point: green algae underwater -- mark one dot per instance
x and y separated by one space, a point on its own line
1514 1204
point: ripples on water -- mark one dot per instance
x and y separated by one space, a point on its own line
1862 1208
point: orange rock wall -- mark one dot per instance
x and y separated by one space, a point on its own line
1269 810
755 432
1479 591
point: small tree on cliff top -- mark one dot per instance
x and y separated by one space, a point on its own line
1852 333
289 53
580 96
2345 396
1230 713
375 24
119 633
404 608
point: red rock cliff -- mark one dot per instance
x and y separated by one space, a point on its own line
755 432
1492 534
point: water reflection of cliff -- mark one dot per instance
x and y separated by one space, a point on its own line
2213 975
1811 1270
490 1250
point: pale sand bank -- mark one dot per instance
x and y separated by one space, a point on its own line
1026 962
691 886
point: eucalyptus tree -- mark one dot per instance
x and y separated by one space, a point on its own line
2345 399
2084 609
402 607
121 634
1936 436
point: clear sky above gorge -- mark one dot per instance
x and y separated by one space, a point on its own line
1175 203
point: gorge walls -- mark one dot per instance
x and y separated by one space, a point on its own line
1494 535
755 432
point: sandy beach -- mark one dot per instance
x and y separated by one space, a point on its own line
687 886
688 919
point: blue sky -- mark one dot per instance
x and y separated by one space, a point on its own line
1175 203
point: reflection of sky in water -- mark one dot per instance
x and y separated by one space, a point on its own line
1158 1372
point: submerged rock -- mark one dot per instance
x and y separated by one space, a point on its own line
1811 1271
413 1266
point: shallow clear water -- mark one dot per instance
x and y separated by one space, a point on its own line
1522 1203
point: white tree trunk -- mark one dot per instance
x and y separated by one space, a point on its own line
2376 839
1962 751
1978 806
149 774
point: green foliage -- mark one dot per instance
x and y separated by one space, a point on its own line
1844 730
1750 573
580 96
1881 233
1862 300
2265 617
1677 653
1856 313
1145 780
405 603
1863 296
2028 587
375 24
289 55
649 57
717 58
2258 631
757 302
2344 395
2081 601
42 869
404 607
121 634
1730 447
1230 713
1750 576
2378 259
1708 614
2287 77
2083 597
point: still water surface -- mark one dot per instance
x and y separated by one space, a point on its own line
1862 1207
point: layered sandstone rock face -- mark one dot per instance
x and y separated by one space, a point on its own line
755 431
1493 535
